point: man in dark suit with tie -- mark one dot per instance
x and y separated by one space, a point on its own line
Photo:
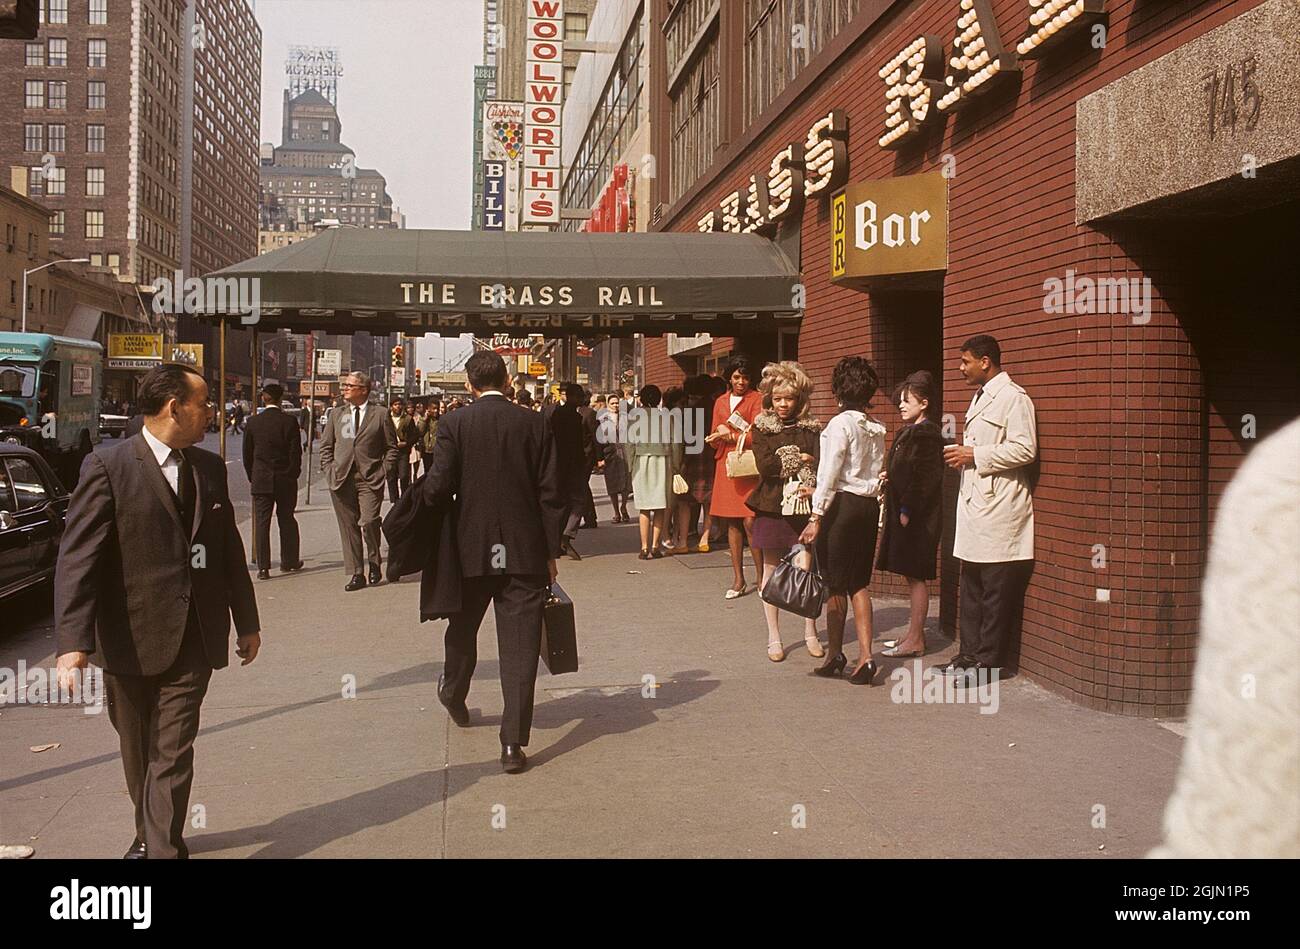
495 463
151 569
273 461
357 451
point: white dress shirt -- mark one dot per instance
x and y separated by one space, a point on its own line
171 468
359 418
852 453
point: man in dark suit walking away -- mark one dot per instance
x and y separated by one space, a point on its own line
151 569
571 460
497 461
273 461
357 451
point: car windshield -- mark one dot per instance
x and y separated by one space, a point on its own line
17 381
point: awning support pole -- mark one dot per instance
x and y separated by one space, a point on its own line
221 389
311 414
256 399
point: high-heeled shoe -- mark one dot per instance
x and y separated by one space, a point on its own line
814 647
832 666
865 674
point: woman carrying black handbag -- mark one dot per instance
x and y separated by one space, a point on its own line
785 452
845 514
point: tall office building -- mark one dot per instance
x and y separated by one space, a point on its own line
98 109
312 176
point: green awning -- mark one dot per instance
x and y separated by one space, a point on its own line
550 283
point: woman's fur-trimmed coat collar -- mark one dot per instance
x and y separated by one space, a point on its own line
768 423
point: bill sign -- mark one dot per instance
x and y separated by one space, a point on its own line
543 95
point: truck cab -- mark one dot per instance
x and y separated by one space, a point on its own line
49 397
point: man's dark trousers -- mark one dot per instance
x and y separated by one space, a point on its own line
519 601
283 501
157 719
992 603
399 479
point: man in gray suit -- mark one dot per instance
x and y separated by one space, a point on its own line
358 450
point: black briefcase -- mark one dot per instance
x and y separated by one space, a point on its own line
559 633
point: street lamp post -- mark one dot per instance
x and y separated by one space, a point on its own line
27 273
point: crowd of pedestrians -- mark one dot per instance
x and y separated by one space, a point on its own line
837 497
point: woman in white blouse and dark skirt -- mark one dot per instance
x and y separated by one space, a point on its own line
845 513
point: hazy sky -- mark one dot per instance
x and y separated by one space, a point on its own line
406 95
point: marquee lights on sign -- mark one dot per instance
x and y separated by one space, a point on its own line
916 87
543 95
812 168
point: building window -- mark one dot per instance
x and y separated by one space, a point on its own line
613 123
575 26
94 224
696 122
33 137
34 94
56 11
98 12
96 260
35 54
96 94
114 262
58 52
57 220
58 95
772 59
97 53
94 182
94 138
35 182
57 138
56 183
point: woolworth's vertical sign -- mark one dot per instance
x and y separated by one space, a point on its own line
543 98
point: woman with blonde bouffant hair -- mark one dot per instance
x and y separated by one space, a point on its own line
786 441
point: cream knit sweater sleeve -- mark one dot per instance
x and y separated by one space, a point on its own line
1238 789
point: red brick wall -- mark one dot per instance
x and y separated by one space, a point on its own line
1121 406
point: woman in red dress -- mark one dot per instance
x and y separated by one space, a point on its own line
733 413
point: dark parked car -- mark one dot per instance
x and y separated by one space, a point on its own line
113 425
33 504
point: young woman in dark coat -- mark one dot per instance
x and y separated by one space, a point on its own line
913 479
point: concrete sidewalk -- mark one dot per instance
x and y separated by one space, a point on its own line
725 756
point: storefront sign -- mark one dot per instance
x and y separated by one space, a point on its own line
494 196
322 388
921 83
812 168
503 142
890 227
134 350
191 354
513 345
543 99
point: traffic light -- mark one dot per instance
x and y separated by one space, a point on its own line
397 356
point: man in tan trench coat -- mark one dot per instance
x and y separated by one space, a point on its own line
995 511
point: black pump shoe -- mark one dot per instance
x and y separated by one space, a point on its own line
865 675
832 666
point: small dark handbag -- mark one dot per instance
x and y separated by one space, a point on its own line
794 589
559 633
